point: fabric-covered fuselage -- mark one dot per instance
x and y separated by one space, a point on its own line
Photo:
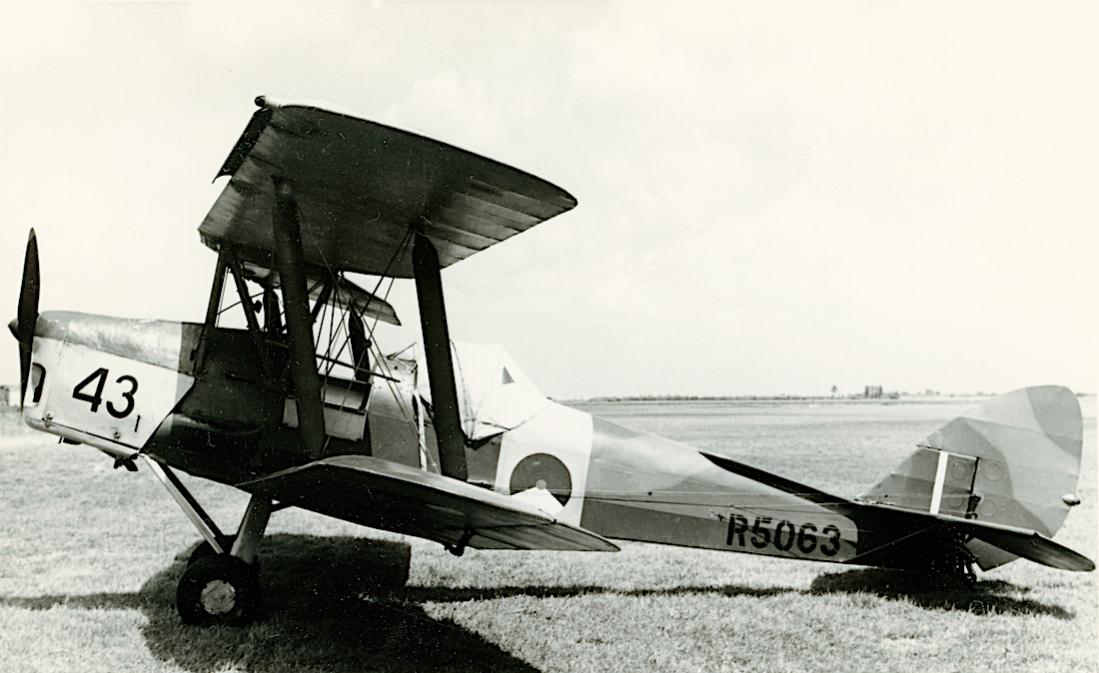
228 422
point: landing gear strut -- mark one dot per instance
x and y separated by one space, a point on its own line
221 582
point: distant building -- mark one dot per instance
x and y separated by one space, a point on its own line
9 396
872 392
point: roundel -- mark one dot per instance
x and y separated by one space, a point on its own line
993 471
541 470
961 470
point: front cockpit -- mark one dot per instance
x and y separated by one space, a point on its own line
242 402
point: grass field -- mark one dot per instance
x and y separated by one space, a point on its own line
90 557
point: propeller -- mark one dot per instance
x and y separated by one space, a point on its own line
23 326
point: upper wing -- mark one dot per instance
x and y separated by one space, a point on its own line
360 185
367 304
346 293
382 494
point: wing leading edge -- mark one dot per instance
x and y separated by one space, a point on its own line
360 185
382 494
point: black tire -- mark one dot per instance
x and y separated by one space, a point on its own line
217 589
204 549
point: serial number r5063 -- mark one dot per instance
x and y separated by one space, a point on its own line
783 536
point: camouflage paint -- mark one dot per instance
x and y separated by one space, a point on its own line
1012 461
644 487
1008 463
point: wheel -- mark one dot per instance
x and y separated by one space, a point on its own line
217 589
205 549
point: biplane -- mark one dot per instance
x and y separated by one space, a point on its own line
297 405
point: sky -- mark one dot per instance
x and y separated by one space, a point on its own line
773 198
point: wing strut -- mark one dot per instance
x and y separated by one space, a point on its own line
299 321
440 368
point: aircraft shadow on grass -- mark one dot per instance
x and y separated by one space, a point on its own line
935 593
339 604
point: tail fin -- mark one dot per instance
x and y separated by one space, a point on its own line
1014 461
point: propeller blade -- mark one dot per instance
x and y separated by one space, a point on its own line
24 370
27 313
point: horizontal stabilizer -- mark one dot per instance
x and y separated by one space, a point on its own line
1034 547
1020 542
402 499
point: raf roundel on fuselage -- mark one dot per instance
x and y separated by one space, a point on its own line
361 185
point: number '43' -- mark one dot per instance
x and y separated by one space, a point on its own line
98 380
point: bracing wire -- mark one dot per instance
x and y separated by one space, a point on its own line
341 332
251 297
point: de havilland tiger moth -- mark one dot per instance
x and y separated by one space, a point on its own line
300 408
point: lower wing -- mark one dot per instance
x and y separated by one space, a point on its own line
402 499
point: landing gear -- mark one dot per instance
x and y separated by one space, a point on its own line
218 589
221 583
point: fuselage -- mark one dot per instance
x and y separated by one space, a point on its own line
203 401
